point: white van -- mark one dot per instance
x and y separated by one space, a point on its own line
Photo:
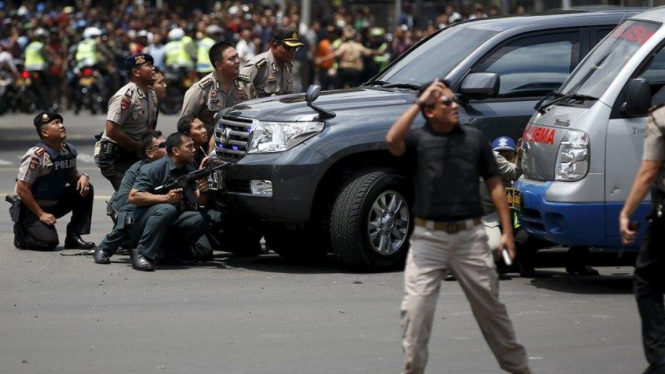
583 146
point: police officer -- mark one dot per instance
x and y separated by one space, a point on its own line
178 54
50 186
132 112
36 62
154 148
271 72
649 283
222 88
208 39
169 220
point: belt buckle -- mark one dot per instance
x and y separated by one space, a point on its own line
452 228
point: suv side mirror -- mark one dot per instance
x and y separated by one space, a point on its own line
310 96
638 98
312 93
480 85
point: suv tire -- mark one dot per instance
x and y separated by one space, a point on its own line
371 221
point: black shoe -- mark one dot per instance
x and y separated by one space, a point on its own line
141 263
584 270
74 241
101 257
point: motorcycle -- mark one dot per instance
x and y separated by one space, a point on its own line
27 100
89 91
178 82
7 91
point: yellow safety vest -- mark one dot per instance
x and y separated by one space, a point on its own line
34 59
203 64
176 55
86 52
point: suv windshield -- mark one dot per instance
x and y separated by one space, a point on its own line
598 70
437 56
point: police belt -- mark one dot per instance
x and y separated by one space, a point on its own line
449 227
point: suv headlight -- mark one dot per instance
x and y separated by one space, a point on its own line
572 160
269 137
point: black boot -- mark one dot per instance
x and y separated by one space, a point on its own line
74 241
139 262
101 257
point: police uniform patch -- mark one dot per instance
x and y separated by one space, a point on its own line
138 60
124 104
39 152
261 63
205 83
244 78
44 117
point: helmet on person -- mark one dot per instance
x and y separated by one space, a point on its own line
503 143
176 34
92 32
214 30
40 33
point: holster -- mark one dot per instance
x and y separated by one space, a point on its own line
15 208
108 150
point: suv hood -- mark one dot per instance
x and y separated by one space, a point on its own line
293 107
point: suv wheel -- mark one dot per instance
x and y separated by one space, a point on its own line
370 221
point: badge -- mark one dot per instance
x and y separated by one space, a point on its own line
213 93
124 105
138 60
44 117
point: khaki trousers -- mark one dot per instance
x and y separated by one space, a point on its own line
466 254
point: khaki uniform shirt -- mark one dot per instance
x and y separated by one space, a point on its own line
207 97
351 55
133 111
266 75
654 145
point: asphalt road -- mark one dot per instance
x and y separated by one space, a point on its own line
61 314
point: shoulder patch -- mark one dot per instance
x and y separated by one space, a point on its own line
243 78
205 83
261 63
39 151
129 93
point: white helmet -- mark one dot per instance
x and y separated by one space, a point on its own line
91 32
176 34
40 32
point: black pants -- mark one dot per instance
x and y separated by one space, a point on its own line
34 234
649 287
348 78
114 168
163 226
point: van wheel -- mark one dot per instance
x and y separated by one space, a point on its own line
371 222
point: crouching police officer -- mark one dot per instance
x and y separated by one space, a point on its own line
168 219
50 186
649 283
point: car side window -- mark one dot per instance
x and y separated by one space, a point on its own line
533 66
654 73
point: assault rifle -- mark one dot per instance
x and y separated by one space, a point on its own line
182 182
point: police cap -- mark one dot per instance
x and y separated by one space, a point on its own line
136 60
288 36
46 117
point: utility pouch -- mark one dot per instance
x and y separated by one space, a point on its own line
15 208
108 150
128 220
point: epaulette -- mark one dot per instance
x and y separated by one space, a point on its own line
129 93
205 83
261 63
243 78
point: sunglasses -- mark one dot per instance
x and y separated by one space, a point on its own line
160 145
448 101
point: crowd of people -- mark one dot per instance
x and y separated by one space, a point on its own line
59 41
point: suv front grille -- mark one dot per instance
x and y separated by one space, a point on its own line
231 138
